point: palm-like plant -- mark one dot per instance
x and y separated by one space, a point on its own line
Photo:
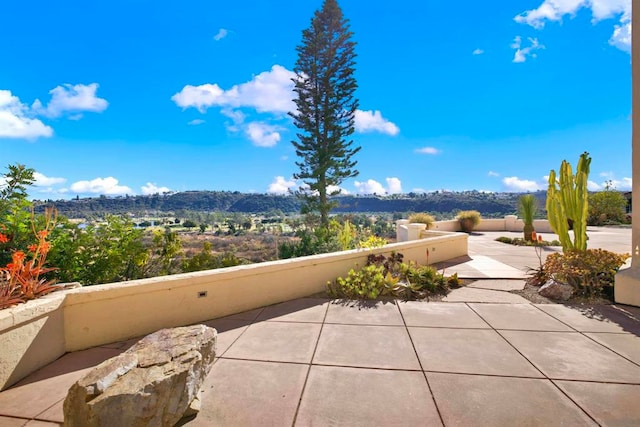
527 209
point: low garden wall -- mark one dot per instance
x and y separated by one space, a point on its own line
406 231
38 332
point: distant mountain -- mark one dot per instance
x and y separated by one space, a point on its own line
489 204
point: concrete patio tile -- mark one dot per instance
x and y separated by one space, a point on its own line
483 295
276 341
228 331
627 317
572 356
12 422
38 423
583 320
440 314
386 347
471 351
475 400
609 404
356 312
498 285
524 317
627 345
49 385
249 393
366 397
54 413
297 310
246 315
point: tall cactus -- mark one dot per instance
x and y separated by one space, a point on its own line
567 200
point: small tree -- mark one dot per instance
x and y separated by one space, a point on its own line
326 104
607 206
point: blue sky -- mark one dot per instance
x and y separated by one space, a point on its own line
138 97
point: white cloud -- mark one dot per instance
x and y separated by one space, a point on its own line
523 52
108 186
152 188
41 180
624 184
370 187
372 121
478 51
222 33
428 150
281 185
195 122
621 37
16 120
338 190
268 92
492 173
263 134
555 10
394 186
513 183
593 186
73 99
199 97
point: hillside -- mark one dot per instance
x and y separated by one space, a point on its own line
489 204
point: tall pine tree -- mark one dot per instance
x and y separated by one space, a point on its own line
326 105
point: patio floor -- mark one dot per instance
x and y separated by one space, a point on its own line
481 358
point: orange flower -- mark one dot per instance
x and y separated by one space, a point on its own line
3 238
18 257
43 233
33 248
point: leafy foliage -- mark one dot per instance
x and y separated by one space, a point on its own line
325 108
109 252
591 272
518 241
527 208
207 260
389 276
24 278
607 207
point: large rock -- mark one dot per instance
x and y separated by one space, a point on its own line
154 383
556 291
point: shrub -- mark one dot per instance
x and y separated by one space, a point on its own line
24 278
518 241
422 218
591 272
607 207
389 276
468 220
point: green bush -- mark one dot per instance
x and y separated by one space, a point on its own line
607 207
519 241
590 272
389 276
207 260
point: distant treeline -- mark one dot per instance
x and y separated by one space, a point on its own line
488 204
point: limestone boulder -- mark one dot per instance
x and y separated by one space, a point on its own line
556 291
154 383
